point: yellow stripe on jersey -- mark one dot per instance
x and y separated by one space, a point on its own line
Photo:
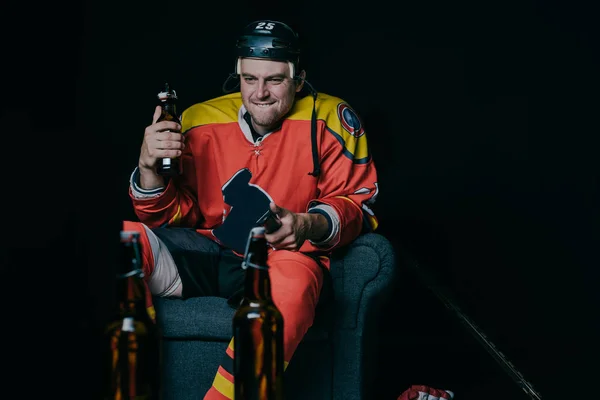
176 219
373 221
341 121
219 110
367 213
223 385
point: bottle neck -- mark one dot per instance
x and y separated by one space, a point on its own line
131 290
258 281
258 284
170 108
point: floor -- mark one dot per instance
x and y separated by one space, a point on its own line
423 342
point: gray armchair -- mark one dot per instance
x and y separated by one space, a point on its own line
337 358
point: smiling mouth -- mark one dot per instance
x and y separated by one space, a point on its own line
263 105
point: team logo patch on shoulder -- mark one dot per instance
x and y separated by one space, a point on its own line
349 120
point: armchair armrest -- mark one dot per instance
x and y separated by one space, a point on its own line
362 273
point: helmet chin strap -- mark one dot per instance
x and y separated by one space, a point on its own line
232 77
313 130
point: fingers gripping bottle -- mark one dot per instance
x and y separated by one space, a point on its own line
257 329
169 166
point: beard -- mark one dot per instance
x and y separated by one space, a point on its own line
263 120
267 118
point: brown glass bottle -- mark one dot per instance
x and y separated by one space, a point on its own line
257 329
132 369
168 101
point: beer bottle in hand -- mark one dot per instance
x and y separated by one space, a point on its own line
257 329
169 166
132 367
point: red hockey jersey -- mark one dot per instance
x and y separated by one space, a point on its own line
218 145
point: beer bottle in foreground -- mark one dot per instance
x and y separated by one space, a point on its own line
257 329
169 166
132 367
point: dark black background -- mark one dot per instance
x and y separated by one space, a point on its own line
482 118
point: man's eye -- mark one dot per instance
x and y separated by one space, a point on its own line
249 80
276 80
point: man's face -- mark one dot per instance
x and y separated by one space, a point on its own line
267 90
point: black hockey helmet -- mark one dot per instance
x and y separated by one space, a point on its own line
269 39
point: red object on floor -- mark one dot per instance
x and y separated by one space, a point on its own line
422 392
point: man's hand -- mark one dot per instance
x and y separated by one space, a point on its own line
161 139
295 228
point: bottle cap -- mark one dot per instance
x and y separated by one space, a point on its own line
167 93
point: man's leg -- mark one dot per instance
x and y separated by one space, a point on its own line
296 282
177 262
160 272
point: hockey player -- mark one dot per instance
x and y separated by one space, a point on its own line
267 147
